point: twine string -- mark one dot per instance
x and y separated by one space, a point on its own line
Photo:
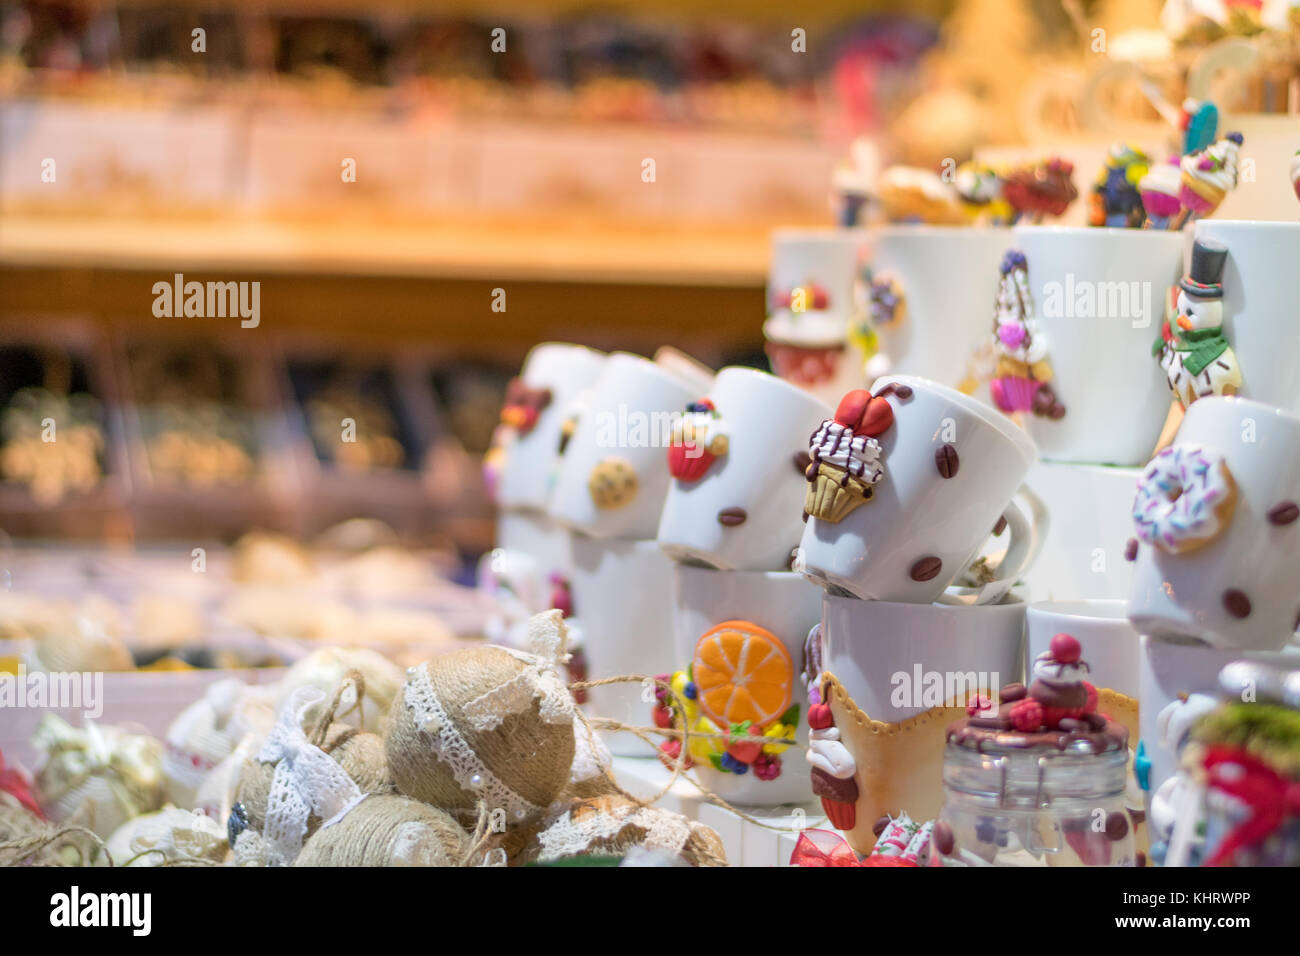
678 766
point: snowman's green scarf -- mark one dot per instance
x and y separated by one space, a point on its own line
1199 347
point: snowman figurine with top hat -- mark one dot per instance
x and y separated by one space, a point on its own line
1192 349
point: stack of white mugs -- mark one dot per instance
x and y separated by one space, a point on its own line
808 558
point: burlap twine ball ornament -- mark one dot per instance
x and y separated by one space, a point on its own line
170 837
202 735
388 831
487 726
294 786
360 754
98 777
364 705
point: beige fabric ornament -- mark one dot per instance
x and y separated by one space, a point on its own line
590 774
270 559
487 725
388 831
206 732
81 640
294 784
27 840
170 837
614 825
326 668
98 777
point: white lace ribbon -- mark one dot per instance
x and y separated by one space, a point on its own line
565 836
454 750
306 780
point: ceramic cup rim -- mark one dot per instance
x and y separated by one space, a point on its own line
1011 603
757 375
1090 610
987 414
812 235
1108 233
774 576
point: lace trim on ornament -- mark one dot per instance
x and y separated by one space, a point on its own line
566 836
470 773
537 680
306 780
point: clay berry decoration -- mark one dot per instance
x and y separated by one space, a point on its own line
864 413
1058 691
523 406
697 441
746 751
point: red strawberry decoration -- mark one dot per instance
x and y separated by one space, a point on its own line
747 751
688 459
843 816
864 413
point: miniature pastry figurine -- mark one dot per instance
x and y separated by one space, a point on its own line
1041 189
1159 192
1023 373
1200 123
912 194
523 405
1192 349
1003 762
805 336
845 456
698 438
979 187
1185 499
853 183
1115 200
1207 177
833 768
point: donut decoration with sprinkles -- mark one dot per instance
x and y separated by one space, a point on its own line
699 437
1185 499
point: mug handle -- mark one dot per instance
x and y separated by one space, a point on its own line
1027 537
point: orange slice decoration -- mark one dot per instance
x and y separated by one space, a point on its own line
742 672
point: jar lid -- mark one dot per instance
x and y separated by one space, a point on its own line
1035 777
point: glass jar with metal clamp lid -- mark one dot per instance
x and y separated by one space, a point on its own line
1037 779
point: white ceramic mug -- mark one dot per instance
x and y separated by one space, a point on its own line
921 530
780 602
946 277
1110 644
737 506
554 374
1171 670
1099 296
614 473
810 307
1219 560
622 601
1261 301
896 663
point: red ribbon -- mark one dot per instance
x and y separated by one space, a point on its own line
14 783
1269 795
822 848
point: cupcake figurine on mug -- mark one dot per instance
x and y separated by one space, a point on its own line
1022 377
1208 176
845 457
1159 192
1192 349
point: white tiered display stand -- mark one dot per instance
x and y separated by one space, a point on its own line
1082 558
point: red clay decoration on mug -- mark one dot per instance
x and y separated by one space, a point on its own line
523 406
845 457
697 441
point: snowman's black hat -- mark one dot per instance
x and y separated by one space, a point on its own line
1205 278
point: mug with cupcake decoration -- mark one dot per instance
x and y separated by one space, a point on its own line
737 461
905 487
614 473
811 309
1217 535
739 639
885 679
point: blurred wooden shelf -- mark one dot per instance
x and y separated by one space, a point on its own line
462 250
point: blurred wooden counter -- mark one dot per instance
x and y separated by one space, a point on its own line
613 286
